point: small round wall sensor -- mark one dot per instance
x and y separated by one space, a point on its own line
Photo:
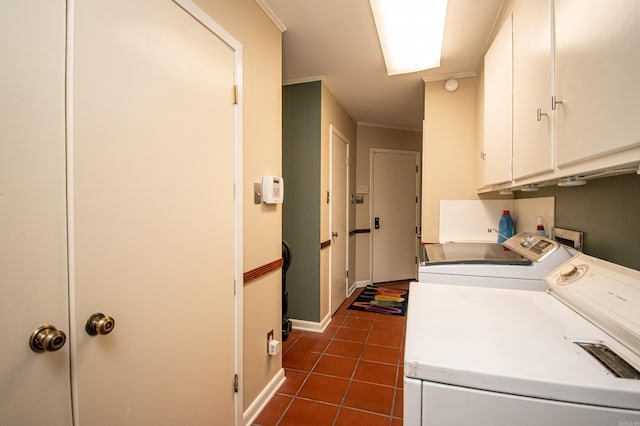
451 85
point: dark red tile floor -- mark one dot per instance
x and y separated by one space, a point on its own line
351 374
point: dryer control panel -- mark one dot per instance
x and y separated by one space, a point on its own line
532 246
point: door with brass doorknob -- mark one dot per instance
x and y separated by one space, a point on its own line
153 232
34 310
124 224
339 213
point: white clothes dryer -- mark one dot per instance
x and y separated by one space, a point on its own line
491 356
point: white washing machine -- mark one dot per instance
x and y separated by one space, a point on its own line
490 356
521 262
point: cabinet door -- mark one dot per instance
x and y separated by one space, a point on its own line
597 69
532 88
154 216
498 72
34 387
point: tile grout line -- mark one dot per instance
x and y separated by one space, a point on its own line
353 373
346 315
293 398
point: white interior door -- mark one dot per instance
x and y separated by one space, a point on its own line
339 217
34 387
153 224
394 213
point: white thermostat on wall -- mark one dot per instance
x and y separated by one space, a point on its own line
272 189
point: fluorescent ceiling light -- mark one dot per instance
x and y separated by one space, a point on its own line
410 32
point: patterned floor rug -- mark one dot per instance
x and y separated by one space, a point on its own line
382 300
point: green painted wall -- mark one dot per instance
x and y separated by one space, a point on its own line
301 135
607 210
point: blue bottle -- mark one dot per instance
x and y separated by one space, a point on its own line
505 226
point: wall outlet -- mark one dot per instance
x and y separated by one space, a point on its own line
274 347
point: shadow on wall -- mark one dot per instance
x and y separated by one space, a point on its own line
606 211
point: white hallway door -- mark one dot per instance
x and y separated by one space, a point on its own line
394 213
339 217
34 387
150 219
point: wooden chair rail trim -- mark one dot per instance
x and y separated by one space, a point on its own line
262 270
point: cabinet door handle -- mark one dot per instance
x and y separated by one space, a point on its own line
539 114
555 102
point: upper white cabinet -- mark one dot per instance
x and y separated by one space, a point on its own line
597 71
532 88
498 71
575 92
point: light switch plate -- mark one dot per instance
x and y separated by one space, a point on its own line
257 193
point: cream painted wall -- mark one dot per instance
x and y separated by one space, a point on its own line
262 155
449 153
374 137
333 113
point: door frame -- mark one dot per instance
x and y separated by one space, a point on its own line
333 130
372 153
203 18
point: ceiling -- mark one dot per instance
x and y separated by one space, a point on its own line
336 40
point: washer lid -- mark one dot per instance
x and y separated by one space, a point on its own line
466 253
511 341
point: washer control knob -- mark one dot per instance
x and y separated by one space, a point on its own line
527 241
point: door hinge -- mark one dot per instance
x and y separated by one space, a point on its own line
417 168
347 273
235 383
235 94
416 260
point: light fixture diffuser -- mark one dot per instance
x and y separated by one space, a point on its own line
410 33
530 188
571 181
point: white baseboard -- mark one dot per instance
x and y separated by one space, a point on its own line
316 327
351 289
263 398
360 284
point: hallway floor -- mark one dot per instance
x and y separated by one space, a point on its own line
351 374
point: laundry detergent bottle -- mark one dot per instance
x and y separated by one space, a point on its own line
505 226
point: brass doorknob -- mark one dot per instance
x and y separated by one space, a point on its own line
47 338
99 323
